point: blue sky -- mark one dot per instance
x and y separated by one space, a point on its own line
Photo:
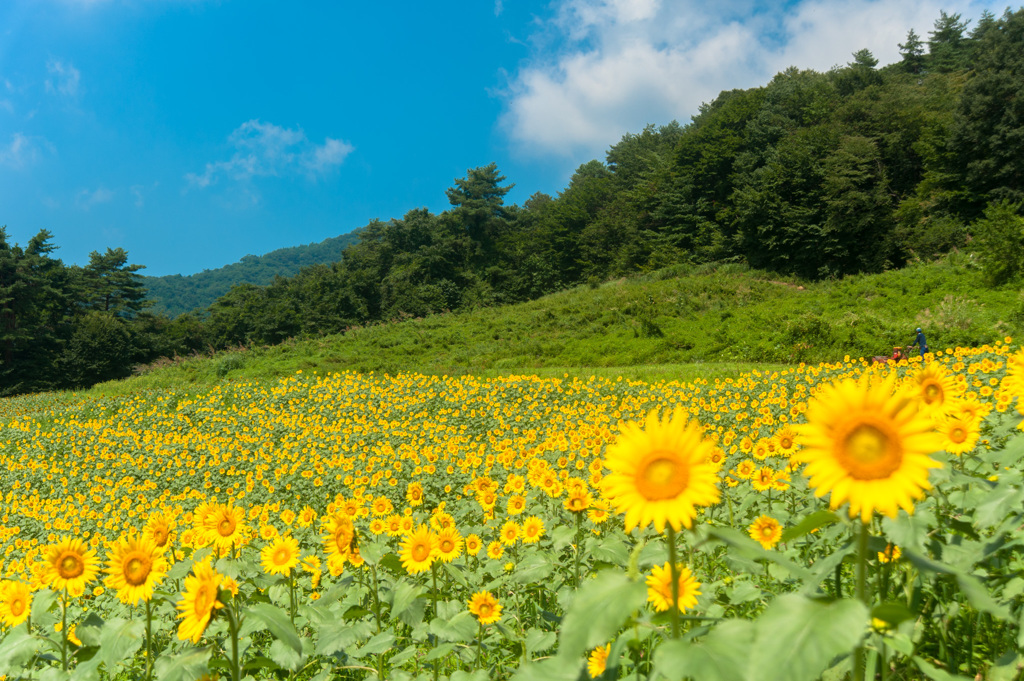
193 132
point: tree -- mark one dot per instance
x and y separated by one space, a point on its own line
912 52
999 237
479 205
948 50
112 285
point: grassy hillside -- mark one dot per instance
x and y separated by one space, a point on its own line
673 324
176 294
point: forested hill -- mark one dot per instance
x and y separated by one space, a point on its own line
175 294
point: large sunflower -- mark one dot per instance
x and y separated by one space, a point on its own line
486 607
135 566
661 472
937 390
338 540
449 544
766 531
69 565
419 550
868 443
198 601
15 602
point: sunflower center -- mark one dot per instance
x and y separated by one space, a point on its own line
869 453
661 476
447 545
932 393
204 600
486 610
17 606
958 435
136 570
226 527
70 566
281 556
160 537
420 552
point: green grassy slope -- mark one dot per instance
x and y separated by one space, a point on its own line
674 324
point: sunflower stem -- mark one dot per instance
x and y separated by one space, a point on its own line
674 573
376 596
861 592
149 641
64 631
236 673
579 549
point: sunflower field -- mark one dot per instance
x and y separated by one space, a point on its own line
846 520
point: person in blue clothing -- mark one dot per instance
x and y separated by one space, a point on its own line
920 342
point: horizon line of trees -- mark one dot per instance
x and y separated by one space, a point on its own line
817 175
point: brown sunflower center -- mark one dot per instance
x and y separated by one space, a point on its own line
958 435
870 453
17 606
661 476
160 536
281 556
932 393
70 565
136 570
486 610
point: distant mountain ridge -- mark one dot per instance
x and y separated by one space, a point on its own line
175 294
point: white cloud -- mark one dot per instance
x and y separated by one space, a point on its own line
86 199
66 78
22 150
613 66
267 150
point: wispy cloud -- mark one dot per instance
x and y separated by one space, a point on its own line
267 150
65 78
22 151
86 199
607 67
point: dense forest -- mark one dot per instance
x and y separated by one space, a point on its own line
816 175
176 294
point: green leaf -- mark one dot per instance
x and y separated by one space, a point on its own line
812 522
284 656
440 651
612 551
376 645
333 639
751 549
393 564
721 655
936 674
460 628
87 670
538 641
893 613
552 669
562 536
187 666
16 649
372 552
478 675
534 568
120 639
980 598
600 608
278 623
403 596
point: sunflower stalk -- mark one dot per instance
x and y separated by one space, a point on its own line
149 640
861 594
674 572
64 630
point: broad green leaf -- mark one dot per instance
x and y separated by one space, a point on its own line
376 645
403 596
980 598
88 670
936 674
16 649
277 623
478 675
538 641
534 568
562 536
407 654
333 639
284 655
460 628
612 551
812 522
892 612
600 608
440 651
556 668
721 656
189 665
120 639
747 546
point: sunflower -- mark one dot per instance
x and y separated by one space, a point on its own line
578 501
394 525
419 550
339 537
867 443
225 526
381 506
486 607
449 544
198 601
937 389
598 660
959 434
473 544
159 529
15 602
307 516
533 530
745 469
661 473
495 550
509 533
763 479
659 588
69 565
279 557
516 504
135 566
766 531
891 554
